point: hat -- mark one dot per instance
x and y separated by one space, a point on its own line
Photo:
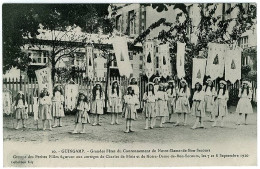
171 81
21 92
198 82
209 79
184 81
223 82
114 82
158 78
248 83
129 86
132 79
98 83
150 83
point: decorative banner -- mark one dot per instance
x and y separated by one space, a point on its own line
71 93
149 58
164 60
122 57
180 59
216 60
44 79
233 65
89 62
198 71
7 102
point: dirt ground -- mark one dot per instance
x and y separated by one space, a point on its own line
115 134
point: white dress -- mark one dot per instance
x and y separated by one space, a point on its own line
161 104
115 102
149 108
220 105
198 105
244 105
209 98
129 110
182 103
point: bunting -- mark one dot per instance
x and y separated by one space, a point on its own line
198 71
164 60
89 62
233 65
216 60
180 60
149 58
122 57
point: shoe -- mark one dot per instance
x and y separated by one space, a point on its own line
151 127
185 124
161 126
94 124
117 123
246 123
127 131
112 123
146 128
238 123
202 126
214 124
50 129
176 124
44 129
222 125
16 128
193 128
24 126
131 130
211 120
82 132
54 126
60 125
74 132
99 124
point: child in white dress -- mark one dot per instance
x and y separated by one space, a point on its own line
82 117
244 106
115 102
171 98
45 108
182 103
149 106
198 105
130 101
98 103
161 105
57 106
210 93
20 107
220 106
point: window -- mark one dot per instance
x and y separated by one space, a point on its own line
119 23
243 42
105 74
157 49
141 57
157 62
130 55
140 66
115 63
132 65
131 18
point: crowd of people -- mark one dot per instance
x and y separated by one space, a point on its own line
160 100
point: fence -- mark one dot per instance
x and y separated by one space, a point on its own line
30 88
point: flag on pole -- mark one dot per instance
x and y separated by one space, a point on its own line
89 62
216 60
164 60
71 94
198 71
180 60
44 79
233 65
122 57
149 53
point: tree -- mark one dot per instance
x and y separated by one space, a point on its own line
59 23
211 28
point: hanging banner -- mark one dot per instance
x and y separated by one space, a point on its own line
122 57
148 48
216 60
233 65
71 93
180 60
7 102
44 79
198 71
89 62
164 60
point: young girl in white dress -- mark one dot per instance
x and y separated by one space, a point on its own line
244 106
20 106
115 102
171 98
182 103
45 108
149 106
82 117
130 101
210 93
57 106
161 105
98 103
198 105
133 83
220 106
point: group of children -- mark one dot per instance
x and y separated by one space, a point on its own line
160 100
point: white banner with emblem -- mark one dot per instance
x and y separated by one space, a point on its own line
198 71
180 60
44 79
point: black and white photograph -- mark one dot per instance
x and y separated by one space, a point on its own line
129 84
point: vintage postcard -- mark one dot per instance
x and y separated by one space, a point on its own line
129 85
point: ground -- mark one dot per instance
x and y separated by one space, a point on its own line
114 133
